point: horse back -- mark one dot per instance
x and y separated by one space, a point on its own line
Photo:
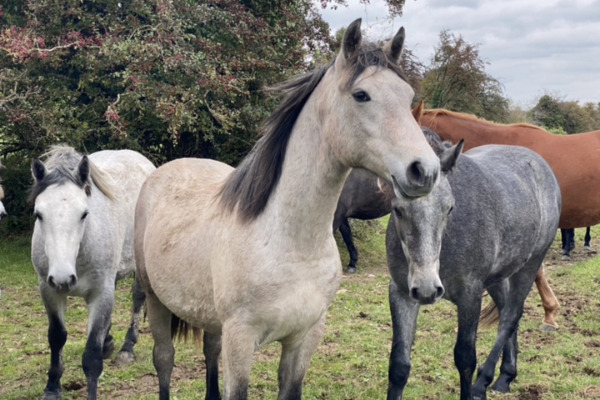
126 171
507 207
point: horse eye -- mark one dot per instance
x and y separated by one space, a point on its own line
38 216
85 214
397 212
361 96
450 210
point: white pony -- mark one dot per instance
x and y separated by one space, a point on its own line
82 244
248 255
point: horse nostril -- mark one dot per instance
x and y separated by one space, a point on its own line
416 172
51 282
72 280
439 292
414 293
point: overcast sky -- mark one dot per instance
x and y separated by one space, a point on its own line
533 47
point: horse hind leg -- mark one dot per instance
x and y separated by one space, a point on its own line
512 298
549 301
347 236
57 337
586 244
126 354
163 355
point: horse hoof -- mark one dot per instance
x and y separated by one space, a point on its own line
124 358
351 270
565 257
51 395
108 349
589 250
548 328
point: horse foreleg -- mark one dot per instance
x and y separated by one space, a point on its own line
404 322
549 301
212 351
295 359
465 355
347 236
57 337
100 309
239 342
126 354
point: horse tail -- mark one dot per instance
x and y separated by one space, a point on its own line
182 330
489 315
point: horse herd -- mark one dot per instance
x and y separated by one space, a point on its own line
246 256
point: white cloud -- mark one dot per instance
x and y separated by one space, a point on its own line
533 47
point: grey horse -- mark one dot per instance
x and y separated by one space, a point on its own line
487 225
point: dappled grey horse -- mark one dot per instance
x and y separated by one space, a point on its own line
82 244
487 224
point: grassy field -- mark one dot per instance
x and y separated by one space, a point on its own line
352 360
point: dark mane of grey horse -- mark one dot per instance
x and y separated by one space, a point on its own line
251 184
62 164
436 143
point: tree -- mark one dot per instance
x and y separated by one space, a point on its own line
553 113
169 78
456 80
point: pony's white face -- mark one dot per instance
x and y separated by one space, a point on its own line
61 212
371 121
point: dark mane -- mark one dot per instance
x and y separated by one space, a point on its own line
61 162
436 143
251 184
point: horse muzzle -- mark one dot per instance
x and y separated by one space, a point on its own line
62 283
426 291
418 180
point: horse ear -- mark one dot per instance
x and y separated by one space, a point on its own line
449 156
417 112
83 170
394 47
352 38
38 169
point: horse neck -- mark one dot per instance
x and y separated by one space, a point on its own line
310 184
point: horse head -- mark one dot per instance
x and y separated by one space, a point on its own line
420 225
61 210
373 128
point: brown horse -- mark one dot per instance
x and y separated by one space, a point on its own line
568 156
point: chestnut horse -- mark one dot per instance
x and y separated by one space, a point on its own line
578 179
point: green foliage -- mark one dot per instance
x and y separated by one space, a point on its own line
457 80
167 78
565 116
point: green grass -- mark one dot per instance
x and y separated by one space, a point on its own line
352 360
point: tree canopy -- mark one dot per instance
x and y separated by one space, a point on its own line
457 80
